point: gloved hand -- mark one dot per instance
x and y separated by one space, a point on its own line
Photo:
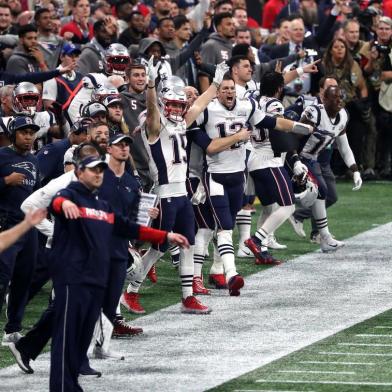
357 181
220 71
152 70
299 169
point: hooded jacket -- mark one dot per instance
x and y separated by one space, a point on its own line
91 59
22 62
216 49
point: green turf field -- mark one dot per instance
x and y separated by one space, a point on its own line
355 212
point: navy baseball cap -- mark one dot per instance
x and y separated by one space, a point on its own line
81 125
119 137
22 122
91 162
70 48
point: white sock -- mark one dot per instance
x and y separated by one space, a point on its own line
118 310
277 218
148 260
175 255
186 271
202 239
320 216
226 252
266 211
217 265
244 223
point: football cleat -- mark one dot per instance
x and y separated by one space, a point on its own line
198 286
193 306
329 244
298 226
9 338
243 252
272 243
99 353
218 281
131 302
262 256
315 238
122 329
22 360
152 274
236 283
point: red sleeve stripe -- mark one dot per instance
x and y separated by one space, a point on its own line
152 235
57 203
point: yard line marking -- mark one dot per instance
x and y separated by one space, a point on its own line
383 327
368 335
380 384
365 344
356 354
314 372
339 363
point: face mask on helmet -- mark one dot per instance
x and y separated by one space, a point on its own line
172 100
101 92
25 99
116 65
305 190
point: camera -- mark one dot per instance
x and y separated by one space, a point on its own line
382 49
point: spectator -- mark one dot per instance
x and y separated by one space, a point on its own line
351 35
282 34
270 12
223 6
135 32
166 35
26 57
79 30
240 17
243 36
162 9
124 10
6 20
6 100
50 44
219 45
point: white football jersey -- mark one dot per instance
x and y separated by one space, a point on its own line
219 121
327 129
262 155
83 97
167 158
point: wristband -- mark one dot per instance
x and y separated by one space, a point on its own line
300 71
301 129
216 84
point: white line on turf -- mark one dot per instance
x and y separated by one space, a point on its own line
268 390
383 327
384 384
364 344
372 335
314 372
338 363
280 310
356 354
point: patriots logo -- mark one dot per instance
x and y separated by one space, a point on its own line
28 166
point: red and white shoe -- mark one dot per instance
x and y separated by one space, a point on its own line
198 286
192 305
131 302
262 255
122 329
236 283
218 281
152 274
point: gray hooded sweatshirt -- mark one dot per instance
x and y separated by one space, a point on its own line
216 49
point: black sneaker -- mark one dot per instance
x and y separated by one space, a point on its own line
21 359
87 370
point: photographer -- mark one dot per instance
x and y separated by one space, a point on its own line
374 55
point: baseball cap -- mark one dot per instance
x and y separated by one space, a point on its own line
119 137
81 125
93 108
91 162
22 122
70 48
111 99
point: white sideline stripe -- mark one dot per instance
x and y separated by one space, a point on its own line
279 312
314 372
383 384
339 363
356 354
268 390
364 344
383 327
370 335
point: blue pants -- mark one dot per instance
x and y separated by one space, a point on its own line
273 185
76 310
225 206
203 215
17 266
176 214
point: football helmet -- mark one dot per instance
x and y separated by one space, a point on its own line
25 99
305 190
116 60
171 92
103 91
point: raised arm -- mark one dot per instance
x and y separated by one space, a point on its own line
153 120
201 103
